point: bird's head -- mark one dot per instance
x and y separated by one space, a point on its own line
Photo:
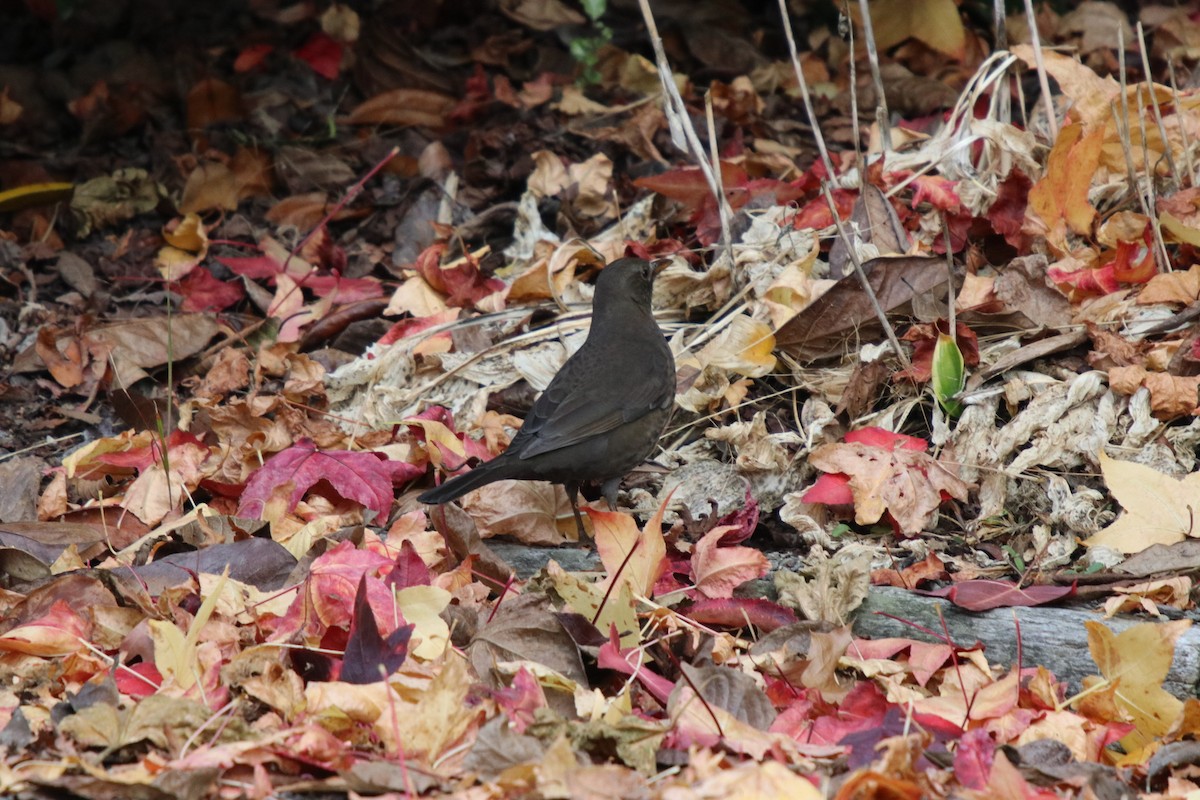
627 278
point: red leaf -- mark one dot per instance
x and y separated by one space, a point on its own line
1007 214
924 338
738 612
941 193
815 214
879 437
632 662
973 758
252 267
343 289
689 186
323 54
203 292
981 595
366 478
410 569
139 680
831 489
251 57
463 284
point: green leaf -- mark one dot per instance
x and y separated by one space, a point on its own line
594 8
949 374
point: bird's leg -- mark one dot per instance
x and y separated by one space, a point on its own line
609 490
573 495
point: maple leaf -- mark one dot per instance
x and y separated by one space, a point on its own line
1159 509
720 570
366 478
631 557
904 482
369 657
1137 661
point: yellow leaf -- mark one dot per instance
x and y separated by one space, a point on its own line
1159 509
935 22
421 607
1137 660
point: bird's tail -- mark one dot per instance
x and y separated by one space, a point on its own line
495 470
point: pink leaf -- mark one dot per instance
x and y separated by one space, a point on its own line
981 595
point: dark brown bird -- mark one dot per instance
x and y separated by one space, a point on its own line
602 414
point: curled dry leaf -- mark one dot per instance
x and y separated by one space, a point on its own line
905 483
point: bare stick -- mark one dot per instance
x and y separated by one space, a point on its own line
950 279
808 104
1162 129
862 277
1036 41
855 133
1161 257
1183 134
681 126
881 109
1000 29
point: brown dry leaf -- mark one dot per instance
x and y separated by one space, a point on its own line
302 211
157 491
1172 287
128 346
1158 507
404 107
62 355
1090 93
210 102
1171 396
541 15
839 585
1179 215
549 175
10 110
1148 596
593 192
906 483
532 512
1110 350
836 321
187 245
1137 661
210 186
746 346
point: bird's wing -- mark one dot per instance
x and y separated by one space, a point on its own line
566 414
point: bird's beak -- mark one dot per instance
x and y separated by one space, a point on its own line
659 266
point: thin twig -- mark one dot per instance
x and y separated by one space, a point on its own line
1183 134
1000 31
681 125
862 277
1162 128
855 133
808 104
882 116
1039 62
1150 203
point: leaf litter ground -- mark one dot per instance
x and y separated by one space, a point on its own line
247 314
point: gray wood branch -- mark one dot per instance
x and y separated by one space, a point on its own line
1050 636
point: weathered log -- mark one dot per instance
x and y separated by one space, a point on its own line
1054 637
